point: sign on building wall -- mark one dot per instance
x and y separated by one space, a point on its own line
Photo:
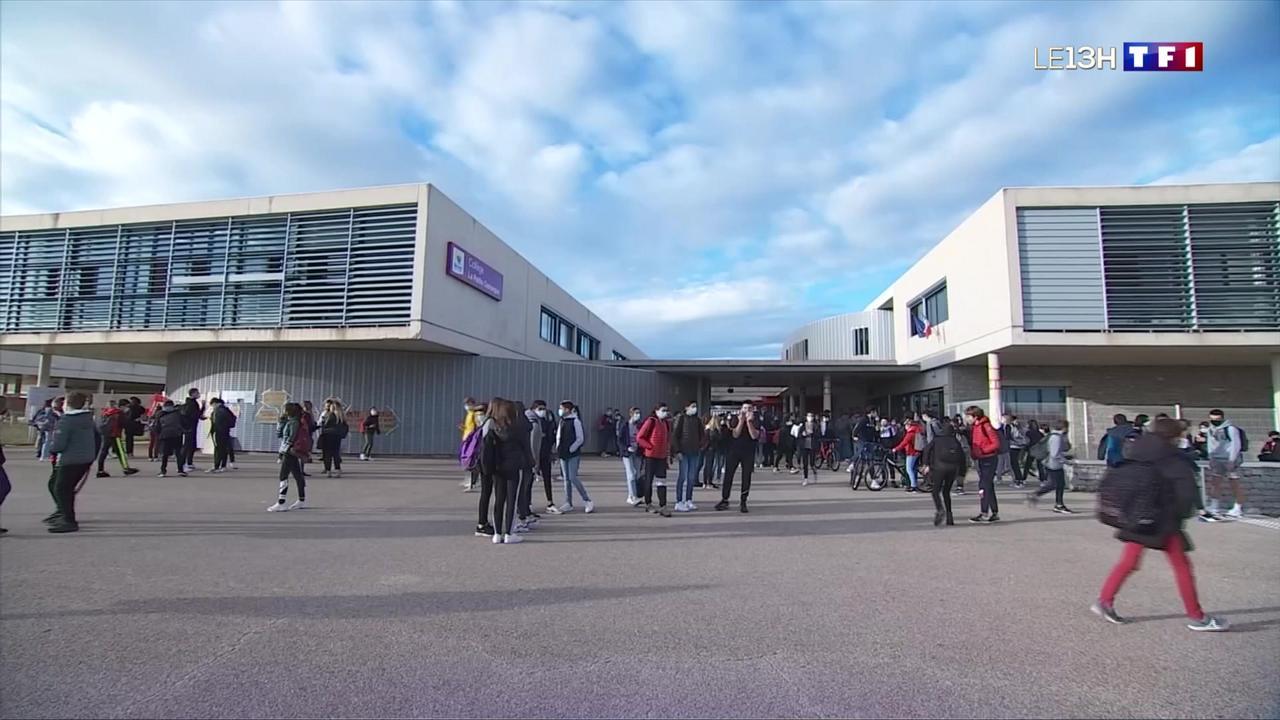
473 271
272 407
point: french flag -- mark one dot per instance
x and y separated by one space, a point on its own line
920 326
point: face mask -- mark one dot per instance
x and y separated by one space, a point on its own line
373 412
662 414
563 412
466 408
1216 423
540 412
635 417
691 410
809 418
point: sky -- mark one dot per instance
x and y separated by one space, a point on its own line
706 177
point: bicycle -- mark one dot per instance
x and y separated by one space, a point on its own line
874 468
826 455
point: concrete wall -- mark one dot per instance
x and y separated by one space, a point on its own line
425 390
457 314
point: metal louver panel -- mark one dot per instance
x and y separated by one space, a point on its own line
1147 268
1059 256
329 268
1235 263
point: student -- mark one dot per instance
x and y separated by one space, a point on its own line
333 429
1055 474
743 434
111 427
295 449
546 453
1271 448
632 460
1156 461
1112 445
713 459
45 421
5 486
688 438
168 427
1013 441
221 421
530 433
1034 436
504 457
369 428
570 437
135 425
985 448
74 445
192 414
468 426
942 459
786 446
912 443
153 437
806 435
654 441
1225 448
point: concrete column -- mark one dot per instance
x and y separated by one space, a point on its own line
1275 391
102 387
826 392
43 378
62 384
993 387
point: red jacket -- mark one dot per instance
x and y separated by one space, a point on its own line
909 442
654 438
112 423
985 442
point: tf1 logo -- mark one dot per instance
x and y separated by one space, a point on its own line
1137 57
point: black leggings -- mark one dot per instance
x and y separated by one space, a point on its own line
506 486
221 449
524 498
655 469
809 459
987 485
291 465
941 478
736 459
486 494
1055 480
367 451
331 452
544 469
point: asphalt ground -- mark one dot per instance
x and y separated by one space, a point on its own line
181 597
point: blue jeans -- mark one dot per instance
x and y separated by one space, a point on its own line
42 439
631 464
569 469
911 470
689 466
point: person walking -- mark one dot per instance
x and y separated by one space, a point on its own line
1157 465
1013 441
192 414
295 450
111 427
984 446
1034 436
74 443
1054 469
45 421
688 440
913 441
504 457
654 441
135 426
1111 447
333 430
1225 446
370 429
942 459
744 433
807 436
547 452
717 445
221 421
786 446
570 437
168 427
632 460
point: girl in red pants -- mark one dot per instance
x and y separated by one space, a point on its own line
1156 452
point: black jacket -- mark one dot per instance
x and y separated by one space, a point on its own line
370 425
505 452
688 435
1178 490
191 416
170 423
222 419
332 425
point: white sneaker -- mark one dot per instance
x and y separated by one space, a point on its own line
468 488
211 470
521 528
299 505
682 507
804 482
233 466
363 456
1213 507
689 506
513 540
553 510
589 508
632 500
278 507
337 473
497 539
162 474
794 471
1235 511
466 483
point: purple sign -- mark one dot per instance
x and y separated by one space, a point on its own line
473 271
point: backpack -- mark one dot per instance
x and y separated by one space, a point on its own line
1040 451
302 443
919 441
1017 438
107 425
1244 439
1115 448
1129 498
947 451
469 454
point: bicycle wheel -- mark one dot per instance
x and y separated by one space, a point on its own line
877 476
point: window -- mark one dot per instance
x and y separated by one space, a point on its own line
588 347
861 341
931 309
618 356
548 325
1042 404
565 338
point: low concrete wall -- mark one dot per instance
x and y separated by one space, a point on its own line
1259 481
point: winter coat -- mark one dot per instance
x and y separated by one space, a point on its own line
908 443
654 438
626 432
191 415
1121 432
535 434
937 448
524 433
222 419
1270 451
370 425
76 440
984 441
112 423
689 435
505 451
1178 490
331 424
169 423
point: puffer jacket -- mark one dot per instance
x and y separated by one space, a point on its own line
689 435
170 423
654 438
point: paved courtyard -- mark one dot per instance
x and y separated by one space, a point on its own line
181 597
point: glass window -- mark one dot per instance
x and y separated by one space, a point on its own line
588 347
932 308
548 325
565 339
861 341
1042 404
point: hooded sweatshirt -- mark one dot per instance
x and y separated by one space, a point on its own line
170 423
75 441
1224 442
1151 453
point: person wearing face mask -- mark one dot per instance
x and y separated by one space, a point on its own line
632 460
743 432
654 441
713 458
570 437
808 434
468 426
546 450
688 440
1225 446
371 429
786 446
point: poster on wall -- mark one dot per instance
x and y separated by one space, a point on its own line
237 401
272 407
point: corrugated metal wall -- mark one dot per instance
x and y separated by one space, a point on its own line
425 390
1059 252
832 338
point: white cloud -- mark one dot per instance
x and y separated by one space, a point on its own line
1259 161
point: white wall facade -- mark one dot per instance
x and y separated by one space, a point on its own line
833 338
